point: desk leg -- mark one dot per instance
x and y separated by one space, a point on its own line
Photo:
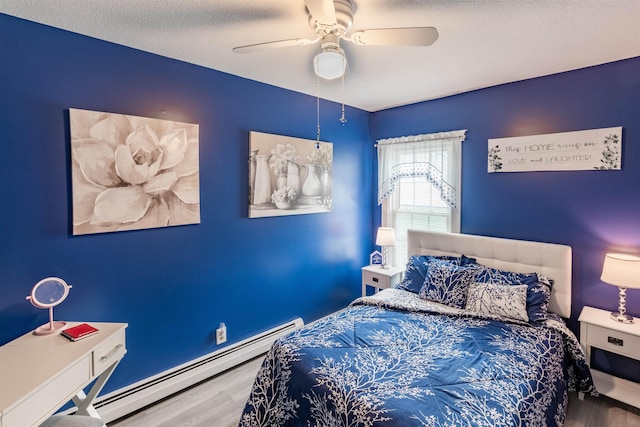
84 401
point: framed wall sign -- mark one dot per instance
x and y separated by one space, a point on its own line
595 149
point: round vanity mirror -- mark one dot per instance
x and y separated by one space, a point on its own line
48 293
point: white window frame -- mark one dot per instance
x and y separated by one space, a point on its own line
398 254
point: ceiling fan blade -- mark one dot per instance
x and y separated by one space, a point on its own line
416 36
259 47
323 11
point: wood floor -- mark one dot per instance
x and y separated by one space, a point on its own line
599 412
219 402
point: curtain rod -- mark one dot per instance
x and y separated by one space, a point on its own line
423 137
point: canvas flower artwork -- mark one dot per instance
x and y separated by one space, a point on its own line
131 172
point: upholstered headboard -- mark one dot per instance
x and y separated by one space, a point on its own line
549 259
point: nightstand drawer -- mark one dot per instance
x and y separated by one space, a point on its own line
380 280
614 341
599 331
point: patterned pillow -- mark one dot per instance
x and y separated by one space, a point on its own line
448 283
416 271
538 297
538 289
500 300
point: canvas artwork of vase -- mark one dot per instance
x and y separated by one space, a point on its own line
288 176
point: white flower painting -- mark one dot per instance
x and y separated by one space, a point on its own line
131 173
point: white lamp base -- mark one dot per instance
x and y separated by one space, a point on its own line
385 256
621 317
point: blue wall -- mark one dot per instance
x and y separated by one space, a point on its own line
592 211
175 285
172 285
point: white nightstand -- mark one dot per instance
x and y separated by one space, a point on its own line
597 329
380 278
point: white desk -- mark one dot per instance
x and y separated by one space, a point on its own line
39 374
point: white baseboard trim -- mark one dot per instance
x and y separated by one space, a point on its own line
126 400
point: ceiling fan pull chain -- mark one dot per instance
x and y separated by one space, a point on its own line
343 119
318 113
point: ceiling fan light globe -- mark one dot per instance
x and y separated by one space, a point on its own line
329 64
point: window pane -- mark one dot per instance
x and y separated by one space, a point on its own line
418 206
418 192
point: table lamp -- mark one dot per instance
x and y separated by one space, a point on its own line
386 237
623 271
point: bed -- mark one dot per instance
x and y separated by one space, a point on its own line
472 336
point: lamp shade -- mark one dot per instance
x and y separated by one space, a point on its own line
386 236
330 63
621 270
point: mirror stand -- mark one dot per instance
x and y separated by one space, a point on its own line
48 293
51 327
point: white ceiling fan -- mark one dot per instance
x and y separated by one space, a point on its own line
331 21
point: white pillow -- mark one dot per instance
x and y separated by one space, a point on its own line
498 299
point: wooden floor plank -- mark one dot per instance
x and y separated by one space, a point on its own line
219 402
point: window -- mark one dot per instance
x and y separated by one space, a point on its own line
418 178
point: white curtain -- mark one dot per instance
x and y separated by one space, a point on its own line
436 157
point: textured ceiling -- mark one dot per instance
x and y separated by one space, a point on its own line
482 42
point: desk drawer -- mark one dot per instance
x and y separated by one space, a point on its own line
109 352
49 397
614 341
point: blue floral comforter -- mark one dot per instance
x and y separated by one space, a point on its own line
394 359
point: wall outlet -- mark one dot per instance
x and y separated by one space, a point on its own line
221 334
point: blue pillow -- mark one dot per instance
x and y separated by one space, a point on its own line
465 260
538 289
416 270
448 283
538 297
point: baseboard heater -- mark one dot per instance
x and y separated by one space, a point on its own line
136 396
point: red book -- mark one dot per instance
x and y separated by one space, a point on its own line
80 331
